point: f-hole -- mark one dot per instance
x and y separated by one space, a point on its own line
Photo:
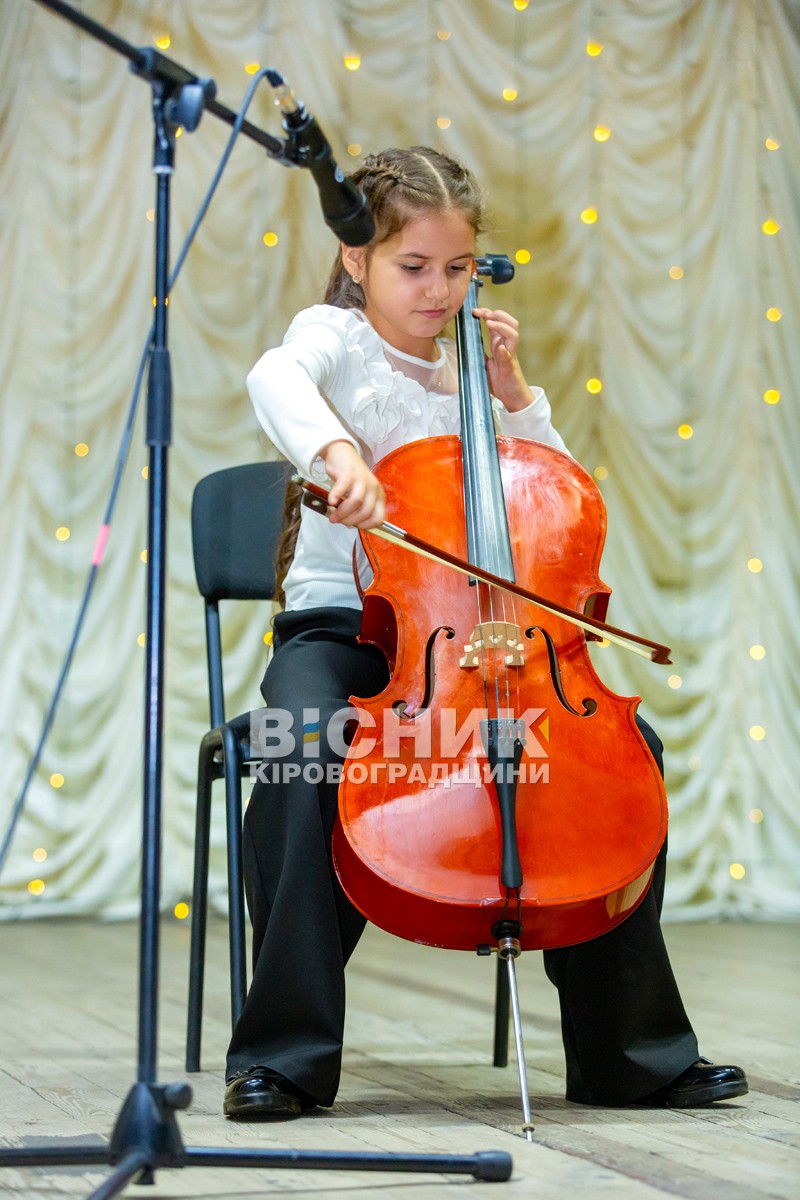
589 706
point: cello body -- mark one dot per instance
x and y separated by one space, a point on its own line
419 839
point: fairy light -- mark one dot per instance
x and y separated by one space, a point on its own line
141 639
757 652
62 533
757 733
181 910
354 149
443 122
145 472
520 5
268 638
602 133
81 450
737 871
773 314
589 216
510 94
57 780
270 238
594 386
593 49
694 763
685 432
36 887
600 473
163 42
522 256
352 61
756 816
39 854
770 227
252 68
150 214
443 35
675 272
675 682
143 555
755 565
772 396
772 143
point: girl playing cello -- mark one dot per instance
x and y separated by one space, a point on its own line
357 377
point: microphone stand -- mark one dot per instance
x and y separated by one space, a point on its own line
146 1134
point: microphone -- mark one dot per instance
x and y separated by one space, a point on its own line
344 207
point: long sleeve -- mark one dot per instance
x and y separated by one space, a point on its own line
534 422
286 386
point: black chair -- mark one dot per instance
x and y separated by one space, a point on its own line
236 520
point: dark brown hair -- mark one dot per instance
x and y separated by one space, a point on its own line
399 186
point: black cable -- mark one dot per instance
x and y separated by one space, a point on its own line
122 458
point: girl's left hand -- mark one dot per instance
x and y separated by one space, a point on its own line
503 371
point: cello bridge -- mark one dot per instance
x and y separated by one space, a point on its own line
497 636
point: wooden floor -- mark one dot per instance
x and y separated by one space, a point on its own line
417 1072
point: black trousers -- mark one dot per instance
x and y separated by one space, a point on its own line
624 1027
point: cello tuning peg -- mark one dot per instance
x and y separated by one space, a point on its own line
498 267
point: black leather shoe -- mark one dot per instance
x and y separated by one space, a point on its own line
260 1092
702 1083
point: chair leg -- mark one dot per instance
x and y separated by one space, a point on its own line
502 1013
205 778
234 770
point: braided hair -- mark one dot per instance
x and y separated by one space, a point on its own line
400 185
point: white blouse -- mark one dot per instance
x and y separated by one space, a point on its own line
335 379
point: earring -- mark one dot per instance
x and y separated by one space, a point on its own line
356 279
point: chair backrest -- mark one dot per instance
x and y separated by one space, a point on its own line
237 516
236 521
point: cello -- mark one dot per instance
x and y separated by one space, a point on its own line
496 789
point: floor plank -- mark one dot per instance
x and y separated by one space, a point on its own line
417 1072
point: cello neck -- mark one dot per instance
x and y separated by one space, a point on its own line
488 540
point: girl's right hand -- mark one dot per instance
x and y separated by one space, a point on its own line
356 497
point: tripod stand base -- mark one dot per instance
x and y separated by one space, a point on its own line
146 1137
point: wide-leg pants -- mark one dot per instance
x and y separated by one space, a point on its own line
624 1027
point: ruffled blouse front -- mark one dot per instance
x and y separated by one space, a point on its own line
335 379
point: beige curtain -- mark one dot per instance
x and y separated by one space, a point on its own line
675 123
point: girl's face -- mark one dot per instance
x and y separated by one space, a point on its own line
416 280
